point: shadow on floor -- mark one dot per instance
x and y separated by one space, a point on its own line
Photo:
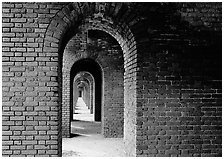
75 135
85 127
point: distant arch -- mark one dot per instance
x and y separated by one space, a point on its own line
91 66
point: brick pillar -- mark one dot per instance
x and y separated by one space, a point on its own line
66 104
75 95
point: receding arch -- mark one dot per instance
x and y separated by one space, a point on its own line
113 103
88 77
65 23
86 85
91 66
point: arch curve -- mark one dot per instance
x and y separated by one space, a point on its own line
66 24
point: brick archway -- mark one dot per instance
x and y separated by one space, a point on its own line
88 77
66 22
87 91
92 67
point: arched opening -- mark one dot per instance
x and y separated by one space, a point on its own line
102 59
82 98
92 67
88 94
102 48
74 17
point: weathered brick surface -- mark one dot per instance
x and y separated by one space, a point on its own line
23 87
180 79
172 75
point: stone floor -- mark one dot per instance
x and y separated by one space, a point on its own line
87 141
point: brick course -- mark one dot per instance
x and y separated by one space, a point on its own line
22 36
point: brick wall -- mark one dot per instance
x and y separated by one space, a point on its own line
30 99
90 79
172 74
180 81
111 60
87 94
75 94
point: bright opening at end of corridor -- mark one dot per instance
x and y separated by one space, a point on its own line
82 112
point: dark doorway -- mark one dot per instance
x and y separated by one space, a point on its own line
80 93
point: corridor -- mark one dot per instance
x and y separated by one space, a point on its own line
82 112
86 139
